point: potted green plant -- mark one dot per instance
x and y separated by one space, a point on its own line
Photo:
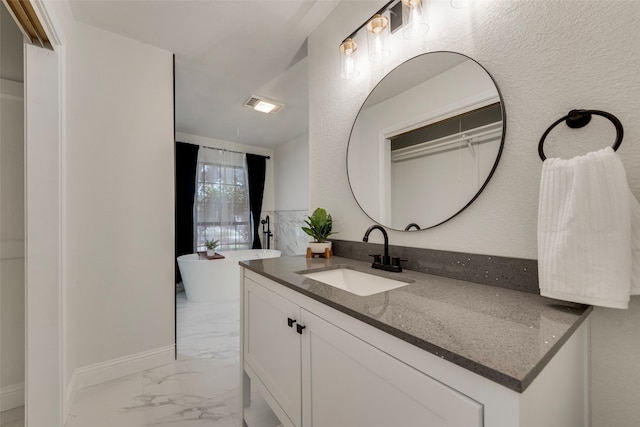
211 246
319 226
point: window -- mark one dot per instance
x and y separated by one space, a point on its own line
221 210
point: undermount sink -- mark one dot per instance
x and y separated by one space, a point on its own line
354 281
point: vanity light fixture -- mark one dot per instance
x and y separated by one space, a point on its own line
378 38
414 23
379 26
263 105
349 59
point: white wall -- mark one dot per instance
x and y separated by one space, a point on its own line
292 196
119 187
269 188
547 58
292 175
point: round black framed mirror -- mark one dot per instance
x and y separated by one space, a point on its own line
426 141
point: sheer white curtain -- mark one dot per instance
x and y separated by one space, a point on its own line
221 205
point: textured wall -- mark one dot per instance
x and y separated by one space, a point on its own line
547 58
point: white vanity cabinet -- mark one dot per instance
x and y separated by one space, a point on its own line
320 375
318 367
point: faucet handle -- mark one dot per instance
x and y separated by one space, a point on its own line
376 258
396 260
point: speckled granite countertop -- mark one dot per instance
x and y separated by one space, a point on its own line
504 335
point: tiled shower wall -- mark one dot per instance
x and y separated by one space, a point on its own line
288 237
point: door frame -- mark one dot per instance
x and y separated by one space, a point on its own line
44 238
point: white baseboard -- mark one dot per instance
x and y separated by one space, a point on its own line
123 366
70 395
11 397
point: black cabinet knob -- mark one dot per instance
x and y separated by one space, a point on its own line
290 322
300 327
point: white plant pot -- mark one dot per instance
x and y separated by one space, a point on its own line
211 252
319 248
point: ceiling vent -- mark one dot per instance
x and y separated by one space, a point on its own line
264 105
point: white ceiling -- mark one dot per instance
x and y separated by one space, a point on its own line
225 51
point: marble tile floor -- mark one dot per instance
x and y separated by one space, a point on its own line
186 393
197 390
200 389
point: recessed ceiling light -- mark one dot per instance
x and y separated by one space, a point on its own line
263 105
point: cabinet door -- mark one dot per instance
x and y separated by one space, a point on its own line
349 383
271 347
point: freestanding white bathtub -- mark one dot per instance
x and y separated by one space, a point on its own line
215 280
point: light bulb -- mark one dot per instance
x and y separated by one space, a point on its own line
348 59
414 23
378 38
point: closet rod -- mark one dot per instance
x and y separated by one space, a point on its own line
233 151
422 149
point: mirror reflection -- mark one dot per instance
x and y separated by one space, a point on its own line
426 141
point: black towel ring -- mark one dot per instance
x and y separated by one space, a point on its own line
580 118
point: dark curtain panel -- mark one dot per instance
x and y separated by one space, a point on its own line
256 166
186 164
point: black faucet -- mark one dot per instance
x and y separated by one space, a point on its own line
266 234
385 263
413 224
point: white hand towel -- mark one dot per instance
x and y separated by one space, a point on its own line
588 231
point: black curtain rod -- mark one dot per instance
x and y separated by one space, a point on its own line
233 151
